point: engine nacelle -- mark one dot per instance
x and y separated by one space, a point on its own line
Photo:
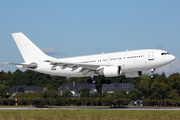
110 71
133 74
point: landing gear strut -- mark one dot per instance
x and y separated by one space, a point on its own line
152 73
92 80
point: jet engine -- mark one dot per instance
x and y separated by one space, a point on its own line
110 71
133 74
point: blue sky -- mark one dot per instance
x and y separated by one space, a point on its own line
74 28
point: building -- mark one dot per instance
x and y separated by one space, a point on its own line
23 89
76 87
116 87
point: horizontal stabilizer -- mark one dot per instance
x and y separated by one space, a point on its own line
23 65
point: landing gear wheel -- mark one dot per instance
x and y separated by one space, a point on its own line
152 76
108 82
94 81
103 81
89 81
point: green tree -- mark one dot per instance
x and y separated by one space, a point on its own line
49 87
17 78
57 81
67 94
173 77
173 94
135 95
4 90
121 94
143 90
84 93
175 85
163 74
51 94
9 76
3 77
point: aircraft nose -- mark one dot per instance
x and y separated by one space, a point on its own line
173 57
169 59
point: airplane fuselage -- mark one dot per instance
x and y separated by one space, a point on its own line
130 61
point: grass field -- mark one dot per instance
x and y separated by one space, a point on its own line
89 115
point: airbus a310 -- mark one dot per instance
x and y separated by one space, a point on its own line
128 63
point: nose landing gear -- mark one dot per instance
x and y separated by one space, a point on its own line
152 73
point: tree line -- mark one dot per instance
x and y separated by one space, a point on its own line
159 88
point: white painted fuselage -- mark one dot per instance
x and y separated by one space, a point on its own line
128 63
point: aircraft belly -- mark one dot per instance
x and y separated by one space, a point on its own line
135 65
157 62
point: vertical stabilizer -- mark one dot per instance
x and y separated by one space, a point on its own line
29 51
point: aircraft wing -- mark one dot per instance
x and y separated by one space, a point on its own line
85 67
73 65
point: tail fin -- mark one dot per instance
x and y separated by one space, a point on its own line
29 51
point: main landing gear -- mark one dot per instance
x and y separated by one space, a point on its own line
152 73
93 81
104 81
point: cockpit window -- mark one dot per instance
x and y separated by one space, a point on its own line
165 53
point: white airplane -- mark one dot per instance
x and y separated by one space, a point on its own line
128 63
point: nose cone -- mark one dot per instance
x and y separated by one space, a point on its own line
168 59
171 58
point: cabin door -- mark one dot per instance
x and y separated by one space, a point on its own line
108 60
151 55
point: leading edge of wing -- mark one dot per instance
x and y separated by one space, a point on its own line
61 63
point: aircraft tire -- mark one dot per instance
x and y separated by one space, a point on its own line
94 81
103 81
89 81
108 82
152 76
